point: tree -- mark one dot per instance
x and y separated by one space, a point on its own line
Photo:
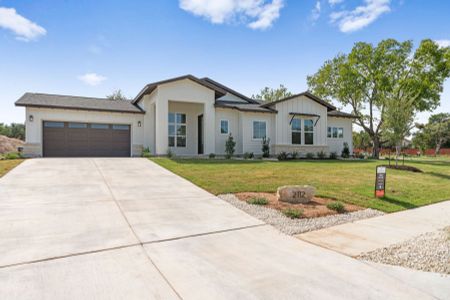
369 77
269 95
435 133
229 146
361 140
15 130
116 95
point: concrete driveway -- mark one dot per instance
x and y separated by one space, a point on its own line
110 228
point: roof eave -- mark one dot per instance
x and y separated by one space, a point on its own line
78 108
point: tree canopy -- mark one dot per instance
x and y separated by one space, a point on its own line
435 134
15 130
372 79
272 94
116 95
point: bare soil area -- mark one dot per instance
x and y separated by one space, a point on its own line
9 144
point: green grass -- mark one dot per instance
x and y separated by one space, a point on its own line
346 181
7 165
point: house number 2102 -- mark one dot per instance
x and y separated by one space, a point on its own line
299 194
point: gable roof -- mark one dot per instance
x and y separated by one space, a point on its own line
219 92
229 90
341 114
242 106
77 102
306 94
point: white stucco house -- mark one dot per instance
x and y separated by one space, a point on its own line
189 115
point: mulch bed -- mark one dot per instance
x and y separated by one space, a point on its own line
313 209
404 168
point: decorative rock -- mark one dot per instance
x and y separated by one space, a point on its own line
295 193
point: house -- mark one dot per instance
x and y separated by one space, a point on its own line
188 115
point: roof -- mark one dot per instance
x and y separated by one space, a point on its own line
76 102
251 107
306 94
229 90
340 114
219 92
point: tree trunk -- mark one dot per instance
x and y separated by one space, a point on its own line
398 148
376 147
438 148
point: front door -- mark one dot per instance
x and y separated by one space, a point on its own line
200 134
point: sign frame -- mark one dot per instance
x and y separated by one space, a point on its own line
380 181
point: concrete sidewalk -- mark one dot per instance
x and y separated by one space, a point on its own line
367 235
110 228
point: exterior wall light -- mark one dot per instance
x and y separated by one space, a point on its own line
30 118
139 124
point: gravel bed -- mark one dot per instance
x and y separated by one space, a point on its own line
295 226
428 252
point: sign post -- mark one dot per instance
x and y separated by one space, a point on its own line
380 181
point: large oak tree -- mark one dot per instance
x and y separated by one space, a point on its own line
370 78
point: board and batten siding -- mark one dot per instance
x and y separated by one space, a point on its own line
300 104
234 124
337 144
248 143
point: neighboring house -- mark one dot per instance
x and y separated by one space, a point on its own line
188 115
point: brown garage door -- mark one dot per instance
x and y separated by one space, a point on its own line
72 139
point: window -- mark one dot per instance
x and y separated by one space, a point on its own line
296 126
121 127
177 130
54 124
309 131
329 132
224 127
77 125
259 130
340 133
99 126
335 132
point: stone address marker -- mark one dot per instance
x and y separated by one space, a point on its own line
295 193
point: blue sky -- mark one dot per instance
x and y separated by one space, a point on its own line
90 48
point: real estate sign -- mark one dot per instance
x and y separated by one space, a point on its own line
380 181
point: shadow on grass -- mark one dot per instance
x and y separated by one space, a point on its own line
258 161
443 176
432 162
403 204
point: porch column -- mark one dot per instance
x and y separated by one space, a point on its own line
161 126
209 128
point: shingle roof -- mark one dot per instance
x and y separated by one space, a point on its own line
251 107
229 90
340 114
76 102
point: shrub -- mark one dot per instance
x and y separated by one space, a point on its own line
293 213
258 201
309 155
333 155
12 155
346 151
248 155
266 147
170 154
212 156
336 206
282 156
321 155
229 147
294 155
146 152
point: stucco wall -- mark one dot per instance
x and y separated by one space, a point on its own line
337 144
248 143
232 98
234 124
34 129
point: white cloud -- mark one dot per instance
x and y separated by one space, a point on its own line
361 16
257 14
443 43
315 13
24 29
334 2
92 79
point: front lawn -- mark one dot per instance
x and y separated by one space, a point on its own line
7 165
347 181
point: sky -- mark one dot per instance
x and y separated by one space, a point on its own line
90 48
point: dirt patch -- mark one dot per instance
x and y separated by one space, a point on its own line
314 209
9 144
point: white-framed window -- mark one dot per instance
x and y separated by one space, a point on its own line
259 130
224 129
335 132
308 128
177 130
296 127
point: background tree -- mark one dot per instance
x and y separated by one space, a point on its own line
361 140
116 95
15 130
269 95
435 133
369 77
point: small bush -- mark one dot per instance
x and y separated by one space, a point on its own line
146 152
293 213
258 201
212 156
265 147
170 154
321 155
333 155
336 206
282 156
309 155
248 155
12 155
346 151
230 144
294 155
